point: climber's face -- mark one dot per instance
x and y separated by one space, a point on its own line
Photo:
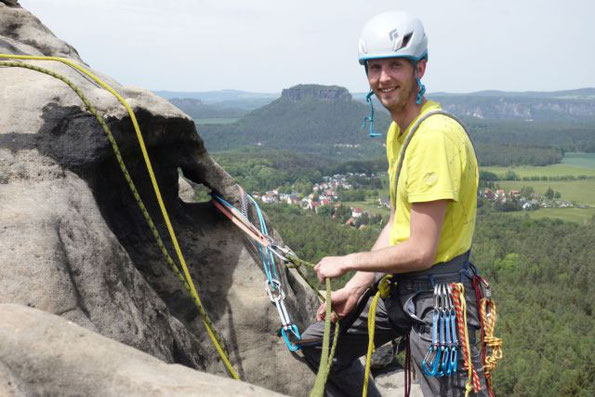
393 81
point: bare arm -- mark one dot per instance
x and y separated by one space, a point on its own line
363 279
415 254
345 299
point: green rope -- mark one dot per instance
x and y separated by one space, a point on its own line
326 357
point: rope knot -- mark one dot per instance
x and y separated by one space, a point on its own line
384 286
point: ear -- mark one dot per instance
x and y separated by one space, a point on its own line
420 68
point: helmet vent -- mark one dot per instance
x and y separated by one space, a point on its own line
406 39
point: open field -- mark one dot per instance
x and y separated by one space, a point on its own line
556 170
573 164
583 160
583 192
370 205
577 215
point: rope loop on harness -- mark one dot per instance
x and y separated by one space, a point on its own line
458 295
487 318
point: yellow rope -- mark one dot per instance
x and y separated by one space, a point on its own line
188 279
383 292
489 316
461 309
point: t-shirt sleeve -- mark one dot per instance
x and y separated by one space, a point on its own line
434 166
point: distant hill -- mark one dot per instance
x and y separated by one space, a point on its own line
568 105
197 109
315 119
581 93
325 121
520 107
227 99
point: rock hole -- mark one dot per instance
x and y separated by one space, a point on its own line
192 192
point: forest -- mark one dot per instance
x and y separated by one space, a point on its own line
541 273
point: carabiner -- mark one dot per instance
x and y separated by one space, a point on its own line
276 286
448 348
294 331
441 334
432 356
455 342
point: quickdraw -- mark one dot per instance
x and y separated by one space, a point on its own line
273 286
442 355
291 260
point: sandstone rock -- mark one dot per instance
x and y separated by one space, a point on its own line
55 357
10 3
302 92
74 243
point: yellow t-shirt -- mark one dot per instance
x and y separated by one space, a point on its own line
439 164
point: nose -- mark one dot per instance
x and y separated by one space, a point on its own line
384 76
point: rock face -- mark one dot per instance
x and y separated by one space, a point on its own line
74 243
75 361
303 92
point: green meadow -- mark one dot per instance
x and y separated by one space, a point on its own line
370 205
555 170
578 191
583 160
573 164
577 215
582 192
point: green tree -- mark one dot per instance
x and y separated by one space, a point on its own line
527 191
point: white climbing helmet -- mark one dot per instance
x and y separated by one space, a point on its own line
393 34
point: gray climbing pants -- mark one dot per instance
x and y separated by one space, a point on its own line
407 312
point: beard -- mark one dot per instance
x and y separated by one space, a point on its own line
403 97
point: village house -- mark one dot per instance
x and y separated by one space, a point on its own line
356 212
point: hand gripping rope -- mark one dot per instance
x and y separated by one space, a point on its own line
184 276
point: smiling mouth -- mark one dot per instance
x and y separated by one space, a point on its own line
387 90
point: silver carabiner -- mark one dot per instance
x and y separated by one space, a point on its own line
279 296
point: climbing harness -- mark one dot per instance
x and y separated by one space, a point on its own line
185 278
450 313
370 118
441 358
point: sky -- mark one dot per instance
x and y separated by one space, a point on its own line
268 45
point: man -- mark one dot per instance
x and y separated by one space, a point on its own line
429 233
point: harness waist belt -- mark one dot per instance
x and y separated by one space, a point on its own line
451 271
